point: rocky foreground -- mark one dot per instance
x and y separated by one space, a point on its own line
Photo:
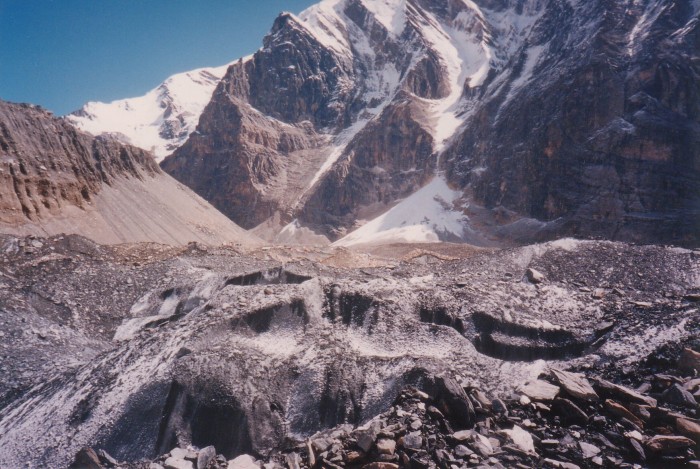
419 356
563 420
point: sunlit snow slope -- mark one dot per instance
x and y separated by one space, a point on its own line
161 120
426 216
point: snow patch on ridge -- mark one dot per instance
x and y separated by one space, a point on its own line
324 22
640 30
390 13
424 217
532 59
465 57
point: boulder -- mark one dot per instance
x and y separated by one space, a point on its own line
386 446
482 445
689 429
598 293
522 439
692 385
481 398
86 459
499 407
321 445
352 457
462 435
416 424
689 361
622 393
637 450
534 276
570 411
641 411
293 460
575 384
181 453
462 451
619 410
365 439
539 390
243 461
205 456
676 395
588 450
454 403
412 440
177 463
661 444
106 459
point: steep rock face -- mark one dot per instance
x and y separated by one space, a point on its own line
551 117
386 160
601 140
239 187
293 78
362 87
55 179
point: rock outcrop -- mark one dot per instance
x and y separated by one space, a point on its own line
55 179
332 120
597 136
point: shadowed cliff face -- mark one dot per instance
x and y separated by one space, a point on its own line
604 140
326 121
567 117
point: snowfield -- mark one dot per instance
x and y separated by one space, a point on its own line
159 121
426 216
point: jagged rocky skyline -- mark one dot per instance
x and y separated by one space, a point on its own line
353 106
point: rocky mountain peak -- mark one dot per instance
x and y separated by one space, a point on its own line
551 117
57 179
47 163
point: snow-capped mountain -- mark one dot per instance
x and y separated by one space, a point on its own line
548 117
159 121
344 110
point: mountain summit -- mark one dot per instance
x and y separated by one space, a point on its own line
542 118
550 117
161 120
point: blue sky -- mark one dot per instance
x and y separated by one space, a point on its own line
62 53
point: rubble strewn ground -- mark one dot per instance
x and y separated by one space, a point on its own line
583 424
565 354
